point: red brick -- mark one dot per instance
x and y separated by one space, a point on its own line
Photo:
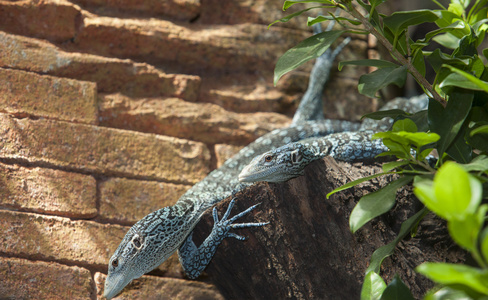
25 93
103 150
151 287
51 20
48 191
127 201
25 279
111 75
204 122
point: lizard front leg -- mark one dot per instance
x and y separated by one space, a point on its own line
194 260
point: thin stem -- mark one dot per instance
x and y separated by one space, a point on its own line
415 73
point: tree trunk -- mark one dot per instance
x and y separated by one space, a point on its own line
307 251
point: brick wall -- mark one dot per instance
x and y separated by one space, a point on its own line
112 109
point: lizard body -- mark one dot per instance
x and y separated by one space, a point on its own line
158 235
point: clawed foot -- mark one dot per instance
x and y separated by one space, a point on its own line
223 226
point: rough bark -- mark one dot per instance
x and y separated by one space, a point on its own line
308 252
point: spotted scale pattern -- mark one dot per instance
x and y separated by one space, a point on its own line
289 161
158 235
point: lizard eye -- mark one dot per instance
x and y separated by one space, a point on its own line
137 241
115 263
268 158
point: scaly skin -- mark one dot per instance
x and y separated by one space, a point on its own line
158 235
289 161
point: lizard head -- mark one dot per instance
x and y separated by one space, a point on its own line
278 165
145 246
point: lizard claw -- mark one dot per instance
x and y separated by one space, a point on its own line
225 224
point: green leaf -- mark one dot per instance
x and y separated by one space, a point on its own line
452 195
310 48
419 62
481 129
404 125
447 122
397 290
370 83
445 273
479 163
458 25
289 3
383 252
392 113
373 287
484 243
368 62
399 21
455 79
393 164
420 139
290 16
377 203
447 293
480 84
465 232
396 143
437 59
314 20
358 181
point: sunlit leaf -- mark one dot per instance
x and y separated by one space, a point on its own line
465 232
404 125
444 273
373 287
482 85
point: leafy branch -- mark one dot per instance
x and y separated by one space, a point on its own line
400 58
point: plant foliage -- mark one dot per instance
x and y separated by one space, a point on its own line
455 126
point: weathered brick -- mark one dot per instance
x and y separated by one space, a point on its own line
48 191
111 75
25 279
244 92
181 10
54 20
223 152
151 287
205 122
46 96
57 238
85 243
127 201
103 150
248 47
